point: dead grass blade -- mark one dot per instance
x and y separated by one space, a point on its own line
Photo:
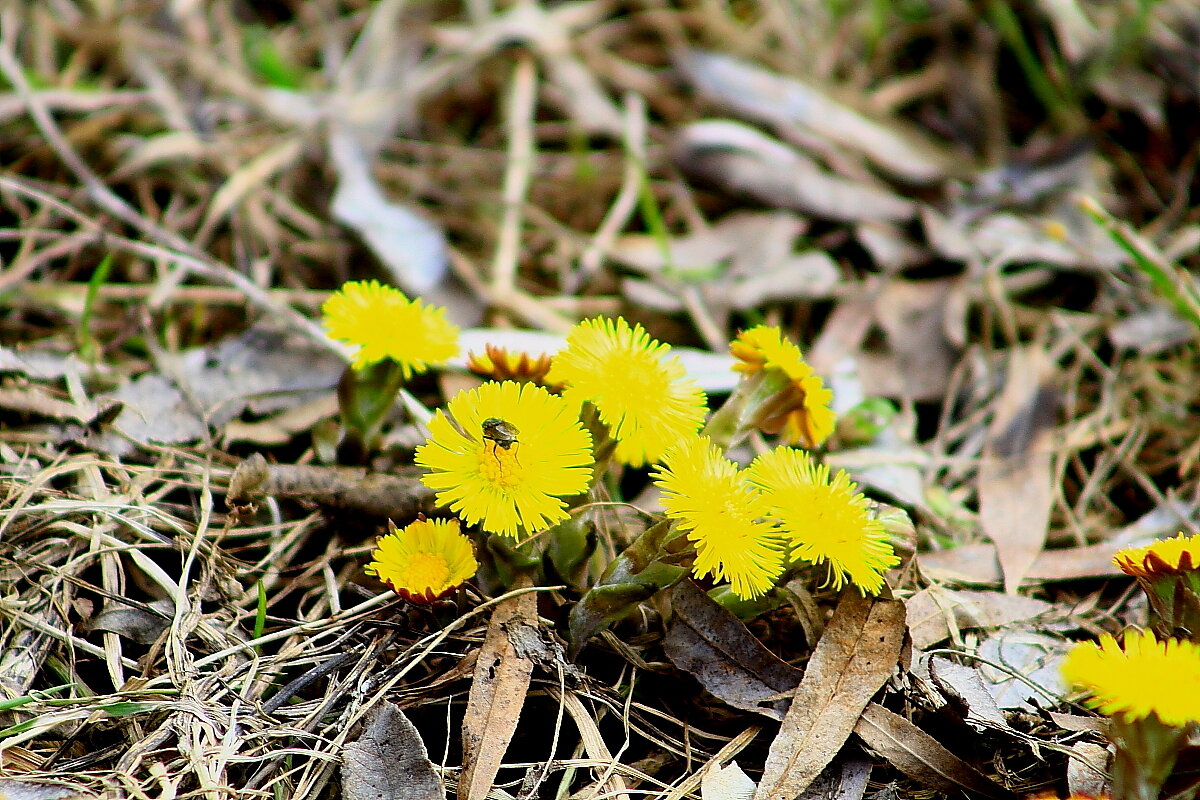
855 657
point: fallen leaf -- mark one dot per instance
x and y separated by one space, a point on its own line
1028 665
389 760
788 102
726 783
142 625
745 161
852 661
919 756
964 688
411 247
498 688
1016 484
915 317
712 644
265 368
1087 772
843 779
28 790
935 611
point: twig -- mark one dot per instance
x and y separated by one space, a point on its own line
516 177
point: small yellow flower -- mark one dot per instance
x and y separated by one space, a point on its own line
640 392
384 324
1147 677
823 518
423 561
723 516
512 477
1164 557
801 415
499 364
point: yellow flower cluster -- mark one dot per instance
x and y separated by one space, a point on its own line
742 521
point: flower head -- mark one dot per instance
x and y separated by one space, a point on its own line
424 560
723 516
384 324
505 456
824 518
640 392
800 413
1147 677
499 364
1164 557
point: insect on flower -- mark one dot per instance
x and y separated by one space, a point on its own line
501 434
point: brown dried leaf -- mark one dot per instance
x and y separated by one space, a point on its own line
934 611
854 658
1087 772
917 316
1015 481
919 756
389 760
497 696
714 646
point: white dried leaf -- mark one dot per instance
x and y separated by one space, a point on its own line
726 783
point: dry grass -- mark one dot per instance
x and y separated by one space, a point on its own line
153 645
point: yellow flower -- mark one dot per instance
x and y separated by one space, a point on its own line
723 516
1164 557
1147 677
499 364
824 518
505 455
640 392
801 414
384 324
425 560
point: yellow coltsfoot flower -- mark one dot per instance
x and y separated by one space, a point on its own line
1144 677
501 364
1164 557
384 324
423 561
824 518
722 515
506 455
1169 573
640 391
1150 690
796 404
